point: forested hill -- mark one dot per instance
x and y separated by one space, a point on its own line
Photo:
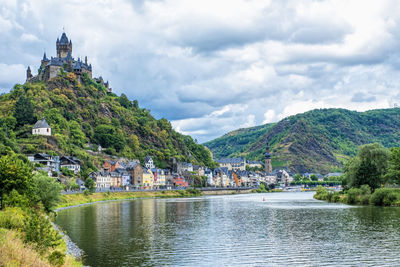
83 115
319 140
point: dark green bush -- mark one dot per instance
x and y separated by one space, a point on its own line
385 197
353 195
56 258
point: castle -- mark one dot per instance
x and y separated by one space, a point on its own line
50 68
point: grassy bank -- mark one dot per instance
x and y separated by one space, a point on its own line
78 199
361 196
18 244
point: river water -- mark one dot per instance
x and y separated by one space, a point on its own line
237 230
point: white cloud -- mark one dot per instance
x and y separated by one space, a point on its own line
26 37
10 74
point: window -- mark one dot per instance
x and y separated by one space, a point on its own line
47 129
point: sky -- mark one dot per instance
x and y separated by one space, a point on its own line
213 66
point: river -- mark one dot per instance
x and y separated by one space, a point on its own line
236 230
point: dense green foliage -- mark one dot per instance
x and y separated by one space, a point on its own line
82 116
320 140
90 185
368 167
361 196
46 190
19 187
14 175
27 199
23 112
393 174
238 142
366 175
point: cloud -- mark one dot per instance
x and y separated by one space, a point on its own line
215 66
11 74
361 97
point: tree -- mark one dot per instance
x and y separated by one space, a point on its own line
72 185
89 184
368 167
14 174
313 177
393 174
67 172
76 136
124 101
47 190
24 111
297 177
107 136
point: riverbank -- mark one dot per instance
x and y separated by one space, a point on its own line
84 199
80 199
361 196
16 250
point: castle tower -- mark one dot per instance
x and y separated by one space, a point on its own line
63 46
28 74
268 164
44 61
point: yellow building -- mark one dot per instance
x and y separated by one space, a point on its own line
148 179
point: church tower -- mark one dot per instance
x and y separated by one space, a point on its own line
63 46
268 164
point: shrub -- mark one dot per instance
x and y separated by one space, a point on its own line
67 172
353 195
193 191
12 218
14 199
40 232
56 258
385 197
335 197
322 193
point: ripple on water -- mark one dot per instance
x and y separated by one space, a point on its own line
239 230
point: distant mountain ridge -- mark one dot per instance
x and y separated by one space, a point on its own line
320 140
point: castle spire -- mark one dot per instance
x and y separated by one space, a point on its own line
44 57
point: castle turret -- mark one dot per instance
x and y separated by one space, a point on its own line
63 46
44 61
268 163
28 74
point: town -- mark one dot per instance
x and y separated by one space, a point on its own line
124 174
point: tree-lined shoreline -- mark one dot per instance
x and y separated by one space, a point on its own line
372 177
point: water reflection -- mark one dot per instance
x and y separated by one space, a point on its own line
286 229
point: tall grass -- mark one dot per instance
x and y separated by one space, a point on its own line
13 251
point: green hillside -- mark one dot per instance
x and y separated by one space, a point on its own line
318 140
83 115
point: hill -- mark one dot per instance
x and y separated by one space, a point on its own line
82 115
318 141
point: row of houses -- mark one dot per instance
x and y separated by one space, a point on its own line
51 164
131 174
238 164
